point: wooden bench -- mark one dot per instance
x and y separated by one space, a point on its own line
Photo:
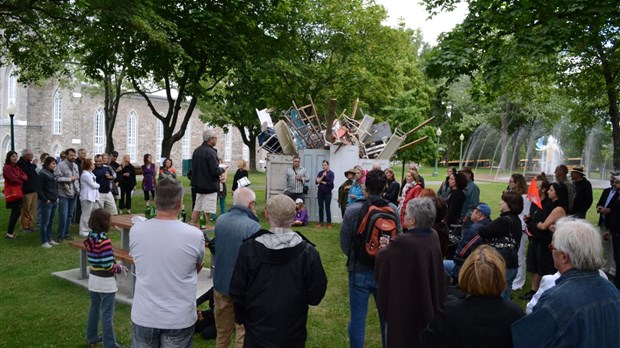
119 254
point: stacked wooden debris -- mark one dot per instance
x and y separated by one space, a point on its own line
301 128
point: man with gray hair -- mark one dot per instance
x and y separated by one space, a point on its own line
168 255
583 309
206 172
277 275
410 276
231 229
29 188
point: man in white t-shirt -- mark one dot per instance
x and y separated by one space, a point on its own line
168 255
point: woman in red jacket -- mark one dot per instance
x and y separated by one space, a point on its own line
13 177
410 191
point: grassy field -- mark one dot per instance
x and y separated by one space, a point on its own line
39 310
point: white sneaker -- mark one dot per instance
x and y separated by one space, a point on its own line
46 245
84 233
51 242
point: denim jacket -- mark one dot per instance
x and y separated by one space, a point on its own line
230 231
582 310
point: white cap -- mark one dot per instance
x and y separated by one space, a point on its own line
299 201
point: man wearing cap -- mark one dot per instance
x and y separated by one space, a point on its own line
603 207
301 215
583 192
480 216
278 273
472 192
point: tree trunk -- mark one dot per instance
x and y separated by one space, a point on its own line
249 139
112 97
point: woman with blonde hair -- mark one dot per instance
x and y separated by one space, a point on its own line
242 172
483 318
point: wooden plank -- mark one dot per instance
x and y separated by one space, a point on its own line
419 126
413 143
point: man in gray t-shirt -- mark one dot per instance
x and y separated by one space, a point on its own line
168 255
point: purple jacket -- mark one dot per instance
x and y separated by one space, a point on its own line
148 180
327 184
302 215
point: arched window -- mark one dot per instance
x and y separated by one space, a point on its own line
186 142
158 139
99 132
11 87
57 124
56 152
132 135
228 144
6 145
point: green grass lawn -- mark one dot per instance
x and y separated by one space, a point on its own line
39 310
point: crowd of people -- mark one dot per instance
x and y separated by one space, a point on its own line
440 268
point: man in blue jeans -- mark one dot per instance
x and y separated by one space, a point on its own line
361 275
67 176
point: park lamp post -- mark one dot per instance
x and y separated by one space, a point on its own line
11 111
461 138
435 171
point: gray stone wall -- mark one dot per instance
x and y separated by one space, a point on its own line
34 123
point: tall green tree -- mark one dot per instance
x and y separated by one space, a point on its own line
322 49
572 38
35 37
199 43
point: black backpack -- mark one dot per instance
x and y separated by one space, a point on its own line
378 219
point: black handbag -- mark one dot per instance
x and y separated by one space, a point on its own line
506 245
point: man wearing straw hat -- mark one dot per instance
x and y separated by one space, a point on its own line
583 192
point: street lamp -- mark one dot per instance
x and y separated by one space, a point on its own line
461 138
435 172
11 111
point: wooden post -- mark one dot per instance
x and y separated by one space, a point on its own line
331 115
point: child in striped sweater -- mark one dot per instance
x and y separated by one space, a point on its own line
101 281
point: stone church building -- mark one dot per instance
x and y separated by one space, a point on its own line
52 117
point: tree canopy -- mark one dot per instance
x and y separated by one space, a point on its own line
577 40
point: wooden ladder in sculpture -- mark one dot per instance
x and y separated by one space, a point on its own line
307 125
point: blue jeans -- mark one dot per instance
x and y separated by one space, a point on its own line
511 274
47 211
325 200
448 266
222 201
361 285
66 209
105 303
146 337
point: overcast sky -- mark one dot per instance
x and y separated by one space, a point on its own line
416 17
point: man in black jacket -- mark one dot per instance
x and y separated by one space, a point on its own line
603 207
206 172
29 206
583 192
277 275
